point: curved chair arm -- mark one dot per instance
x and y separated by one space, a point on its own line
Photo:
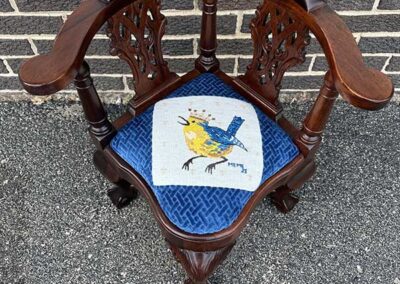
50 73
359 85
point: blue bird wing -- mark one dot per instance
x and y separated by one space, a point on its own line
223 137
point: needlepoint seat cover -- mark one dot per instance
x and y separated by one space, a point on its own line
204 150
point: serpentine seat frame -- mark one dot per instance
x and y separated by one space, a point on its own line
280 32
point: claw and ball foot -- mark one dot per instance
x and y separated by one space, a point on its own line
122 195
123 192
200 265
283 200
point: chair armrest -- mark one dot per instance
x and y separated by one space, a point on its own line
359 85
52 72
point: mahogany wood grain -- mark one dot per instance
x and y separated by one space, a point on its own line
361 86
200 265
136 32
316 120
207 60
50 73
279 39
100 129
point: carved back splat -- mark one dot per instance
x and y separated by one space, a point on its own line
279 40
135 34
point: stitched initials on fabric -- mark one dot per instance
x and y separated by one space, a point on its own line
195 151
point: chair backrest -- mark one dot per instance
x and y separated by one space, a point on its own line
136 32
280 33
279 36
280 39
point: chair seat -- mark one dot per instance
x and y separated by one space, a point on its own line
204 150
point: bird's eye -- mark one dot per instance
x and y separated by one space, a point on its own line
193 121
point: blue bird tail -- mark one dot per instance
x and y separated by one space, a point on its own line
235 125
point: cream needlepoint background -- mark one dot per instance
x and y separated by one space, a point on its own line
170 152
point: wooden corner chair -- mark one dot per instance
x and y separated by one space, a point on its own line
205 148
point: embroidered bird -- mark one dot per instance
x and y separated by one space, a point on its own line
209 141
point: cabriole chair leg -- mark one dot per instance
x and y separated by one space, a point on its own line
283 199
200 265
123 193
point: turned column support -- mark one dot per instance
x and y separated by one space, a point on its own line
100 128
207 60
316 120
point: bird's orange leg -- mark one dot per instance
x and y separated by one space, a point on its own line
211 167
190 161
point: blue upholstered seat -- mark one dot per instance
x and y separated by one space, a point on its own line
201 208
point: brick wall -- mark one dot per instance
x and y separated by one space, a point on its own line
27 27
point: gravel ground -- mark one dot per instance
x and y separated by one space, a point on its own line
58 226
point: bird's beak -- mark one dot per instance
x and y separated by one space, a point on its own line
186 122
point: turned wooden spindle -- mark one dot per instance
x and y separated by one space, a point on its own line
316 120
207 60
100 129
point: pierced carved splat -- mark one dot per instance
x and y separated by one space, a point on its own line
135 34
279 41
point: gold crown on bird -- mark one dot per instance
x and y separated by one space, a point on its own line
201 115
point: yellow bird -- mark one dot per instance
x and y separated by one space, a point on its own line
209 141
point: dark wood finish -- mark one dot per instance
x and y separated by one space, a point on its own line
123 192
100 129
200 265
137 106
50 73
283 200
136 32
280 36
207 60
316 120
361 86
282 197
122 195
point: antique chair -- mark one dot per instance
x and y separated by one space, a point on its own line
205 148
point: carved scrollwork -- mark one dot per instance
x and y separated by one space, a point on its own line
200 265
279 40
136 32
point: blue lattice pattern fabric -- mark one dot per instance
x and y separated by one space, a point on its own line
204 150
